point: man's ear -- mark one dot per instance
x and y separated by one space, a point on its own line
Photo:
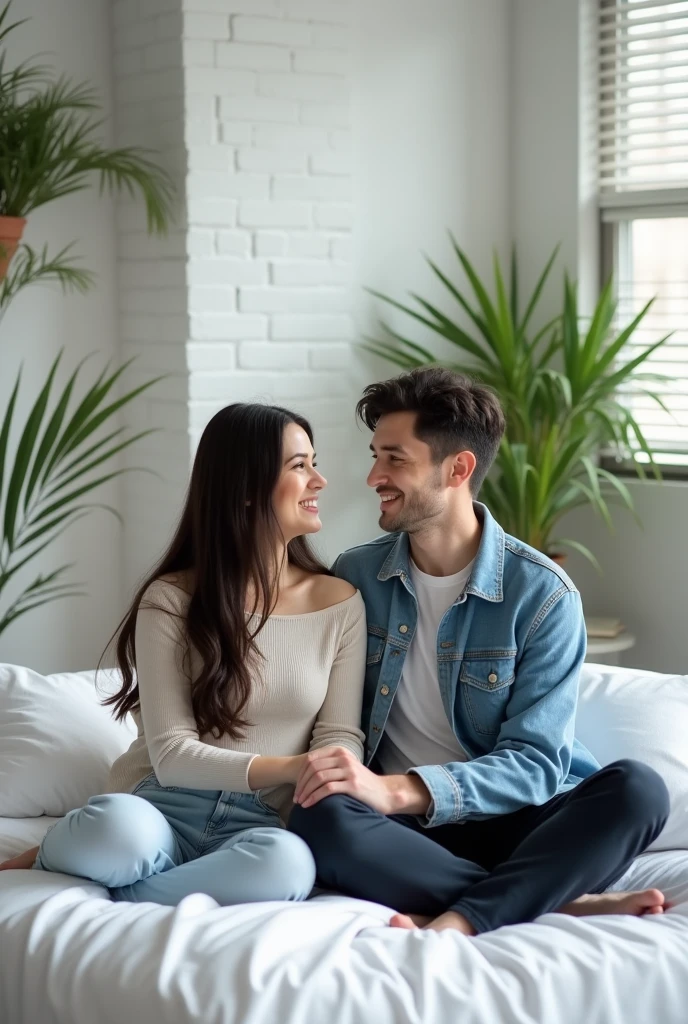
462 466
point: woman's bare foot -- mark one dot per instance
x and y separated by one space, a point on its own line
24 860
640 903
449 920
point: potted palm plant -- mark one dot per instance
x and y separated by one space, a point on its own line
67 446
559 388
49 148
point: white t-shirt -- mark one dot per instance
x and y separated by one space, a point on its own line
418 730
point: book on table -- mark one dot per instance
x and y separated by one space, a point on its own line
597 626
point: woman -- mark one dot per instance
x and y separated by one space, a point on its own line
247 654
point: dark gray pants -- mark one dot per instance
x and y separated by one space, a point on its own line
502 870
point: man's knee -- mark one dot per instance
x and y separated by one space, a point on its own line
640 791
324 822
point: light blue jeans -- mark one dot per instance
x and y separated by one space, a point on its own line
161 843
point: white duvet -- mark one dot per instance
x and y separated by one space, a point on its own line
70 955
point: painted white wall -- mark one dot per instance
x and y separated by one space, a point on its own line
645 569
431 153
74 35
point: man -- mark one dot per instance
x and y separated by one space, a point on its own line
478 808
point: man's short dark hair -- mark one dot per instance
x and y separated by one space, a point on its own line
453 413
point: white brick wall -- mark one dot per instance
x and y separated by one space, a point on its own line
279 94
249 297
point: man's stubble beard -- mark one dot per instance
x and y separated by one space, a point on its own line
419 508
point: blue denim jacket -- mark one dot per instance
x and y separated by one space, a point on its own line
509 652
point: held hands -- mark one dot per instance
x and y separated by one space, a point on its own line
331 770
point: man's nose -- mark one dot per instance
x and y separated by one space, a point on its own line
375 477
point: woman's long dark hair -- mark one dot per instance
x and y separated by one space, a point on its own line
228 535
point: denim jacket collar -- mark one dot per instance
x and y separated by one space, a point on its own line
486 579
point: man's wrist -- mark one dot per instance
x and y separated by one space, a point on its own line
408 794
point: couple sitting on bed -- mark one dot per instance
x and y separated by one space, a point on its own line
458 795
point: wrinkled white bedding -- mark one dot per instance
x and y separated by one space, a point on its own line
71 956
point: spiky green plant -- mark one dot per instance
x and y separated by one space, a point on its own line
42 489
49 149
559 386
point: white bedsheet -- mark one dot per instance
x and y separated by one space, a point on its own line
71 956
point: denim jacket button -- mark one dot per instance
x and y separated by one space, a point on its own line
384 690
403 628
492 678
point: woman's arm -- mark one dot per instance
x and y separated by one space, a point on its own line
177 754
339 719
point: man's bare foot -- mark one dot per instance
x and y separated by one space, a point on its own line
24 860
449 920
409 921
640 903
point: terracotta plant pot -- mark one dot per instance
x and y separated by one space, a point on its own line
560 559
11 231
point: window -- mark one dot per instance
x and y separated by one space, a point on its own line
643 189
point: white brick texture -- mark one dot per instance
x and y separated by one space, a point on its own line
248 298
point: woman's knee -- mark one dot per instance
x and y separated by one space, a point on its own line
115 836
287 867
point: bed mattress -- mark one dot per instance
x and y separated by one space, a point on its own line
71 956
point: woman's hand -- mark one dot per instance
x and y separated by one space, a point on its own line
24 860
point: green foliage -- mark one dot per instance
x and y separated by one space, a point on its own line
42 488
559 387
49 148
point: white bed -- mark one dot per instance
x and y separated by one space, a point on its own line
71 956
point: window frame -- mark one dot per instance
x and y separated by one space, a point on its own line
616 210
614 235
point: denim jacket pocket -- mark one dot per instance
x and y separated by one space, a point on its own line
375 649
486 687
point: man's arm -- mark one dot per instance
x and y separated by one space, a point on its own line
532 755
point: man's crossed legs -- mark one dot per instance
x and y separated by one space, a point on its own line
496 871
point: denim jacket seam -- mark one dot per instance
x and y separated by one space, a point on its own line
456 792
455 789
544 611
516 549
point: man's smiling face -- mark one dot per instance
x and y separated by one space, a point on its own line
409 483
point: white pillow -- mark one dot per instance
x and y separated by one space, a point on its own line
627 712
57 742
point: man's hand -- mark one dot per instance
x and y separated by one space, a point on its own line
333 770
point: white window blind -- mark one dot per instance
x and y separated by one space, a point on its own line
643 95
643 196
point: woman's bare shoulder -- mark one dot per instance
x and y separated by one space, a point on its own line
329 590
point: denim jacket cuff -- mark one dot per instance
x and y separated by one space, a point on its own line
445 792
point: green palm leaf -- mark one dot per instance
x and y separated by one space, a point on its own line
562 389
51 471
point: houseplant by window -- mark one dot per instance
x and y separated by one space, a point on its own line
559 386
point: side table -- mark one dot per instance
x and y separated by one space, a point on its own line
606 650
